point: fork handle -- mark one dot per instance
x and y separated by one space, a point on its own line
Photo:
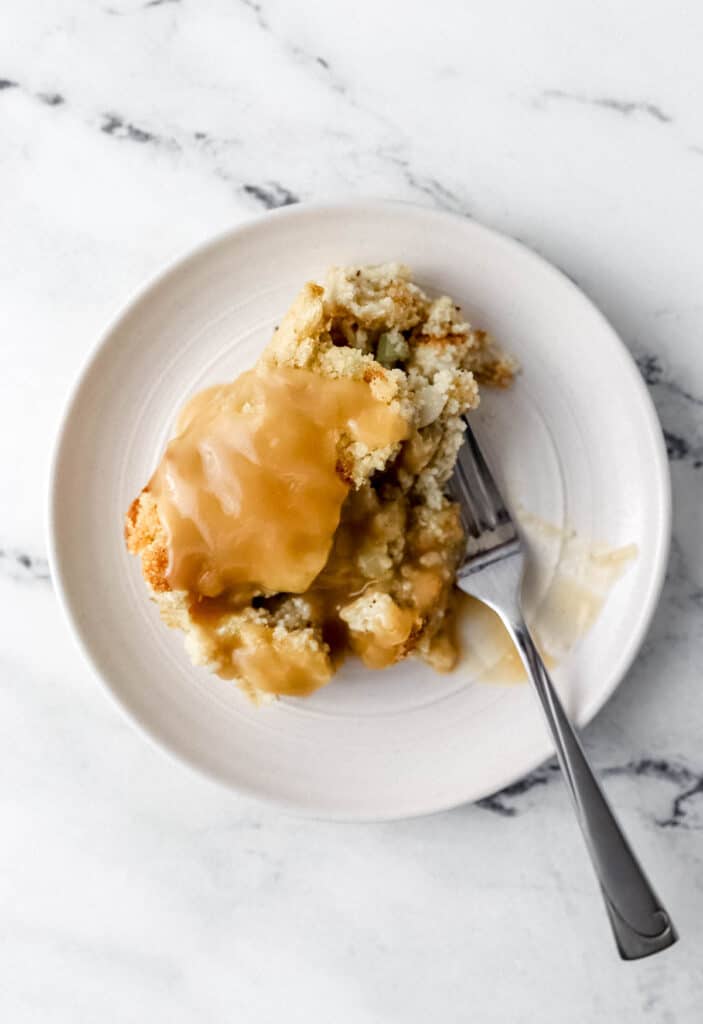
639 921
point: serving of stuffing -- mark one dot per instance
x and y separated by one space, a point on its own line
299 514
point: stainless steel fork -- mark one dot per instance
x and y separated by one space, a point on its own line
492 571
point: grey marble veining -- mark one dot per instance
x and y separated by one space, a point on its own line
620 106
131 889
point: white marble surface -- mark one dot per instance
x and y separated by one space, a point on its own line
131 890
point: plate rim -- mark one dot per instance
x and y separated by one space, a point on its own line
660 476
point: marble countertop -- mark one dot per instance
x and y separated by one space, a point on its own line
132 890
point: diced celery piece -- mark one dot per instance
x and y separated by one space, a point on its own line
392 348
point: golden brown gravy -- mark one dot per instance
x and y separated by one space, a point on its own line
362 535
249 490
365 526
269 668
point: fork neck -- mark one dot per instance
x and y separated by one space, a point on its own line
499 588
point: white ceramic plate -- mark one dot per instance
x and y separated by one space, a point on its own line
576 441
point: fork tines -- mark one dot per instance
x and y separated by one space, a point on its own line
483 510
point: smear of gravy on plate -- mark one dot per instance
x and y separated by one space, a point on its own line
583 577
